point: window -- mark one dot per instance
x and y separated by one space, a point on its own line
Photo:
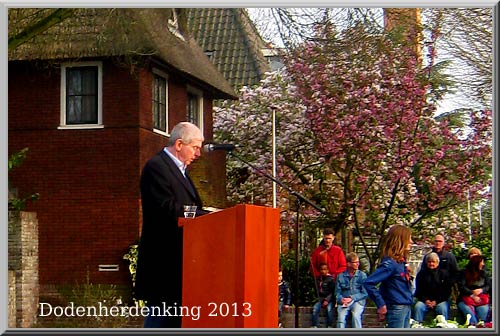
81 97
160 108
195 107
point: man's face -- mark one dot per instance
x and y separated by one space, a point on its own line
187 153
354 264
328 240
439 242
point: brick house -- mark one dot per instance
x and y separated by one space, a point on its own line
93 98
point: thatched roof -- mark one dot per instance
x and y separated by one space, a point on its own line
103 32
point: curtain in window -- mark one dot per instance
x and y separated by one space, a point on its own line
81 95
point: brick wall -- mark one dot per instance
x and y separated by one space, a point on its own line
23 269
89 209
12 299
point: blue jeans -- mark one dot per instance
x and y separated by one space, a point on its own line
420 309
356 309
329 314
398 316
480 313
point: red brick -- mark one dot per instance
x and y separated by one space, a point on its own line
88 180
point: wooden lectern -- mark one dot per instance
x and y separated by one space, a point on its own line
230 268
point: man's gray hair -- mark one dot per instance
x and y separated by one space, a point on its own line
186 132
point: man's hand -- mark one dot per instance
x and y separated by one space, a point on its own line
382 311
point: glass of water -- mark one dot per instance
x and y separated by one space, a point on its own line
190 211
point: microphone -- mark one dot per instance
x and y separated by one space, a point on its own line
213 147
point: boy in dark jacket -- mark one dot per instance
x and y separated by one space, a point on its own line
325 285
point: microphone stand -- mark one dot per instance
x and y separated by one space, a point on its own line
299 199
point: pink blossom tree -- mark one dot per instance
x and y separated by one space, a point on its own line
388 158
357 134
248 122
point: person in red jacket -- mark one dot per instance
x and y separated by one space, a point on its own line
329 254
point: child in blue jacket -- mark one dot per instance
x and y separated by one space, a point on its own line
394 296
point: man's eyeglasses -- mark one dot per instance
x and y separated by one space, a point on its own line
439 241
354 262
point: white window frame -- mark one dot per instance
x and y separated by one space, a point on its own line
65 66
199 94
162 74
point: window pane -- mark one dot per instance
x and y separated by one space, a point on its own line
160 103
193 109
89 110
81 95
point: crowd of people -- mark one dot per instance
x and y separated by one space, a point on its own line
398 295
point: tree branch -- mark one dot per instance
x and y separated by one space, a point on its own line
40 26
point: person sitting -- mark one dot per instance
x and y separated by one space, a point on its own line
476 251
433 289
350 293
474 284
325 286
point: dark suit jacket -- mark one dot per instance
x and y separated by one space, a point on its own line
164 191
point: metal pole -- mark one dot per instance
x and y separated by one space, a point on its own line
296 289
274 164
274 156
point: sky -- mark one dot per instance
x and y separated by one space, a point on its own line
266 25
